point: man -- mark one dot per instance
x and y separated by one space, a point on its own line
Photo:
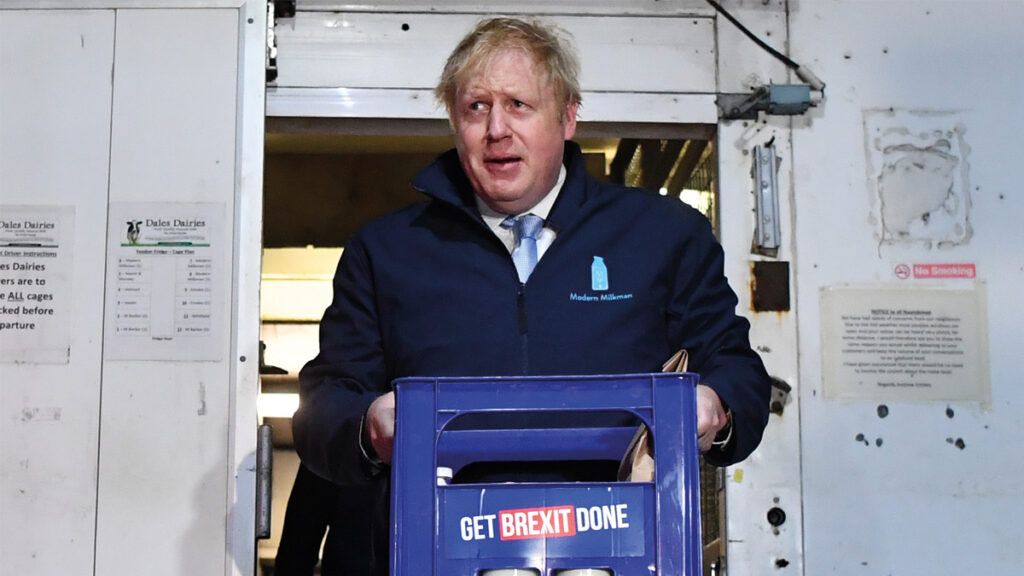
316 509
307 518
433 291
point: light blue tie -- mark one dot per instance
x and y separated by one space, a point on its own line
525 228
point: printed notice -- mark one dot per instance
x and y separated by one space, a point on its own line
165 291
35 283
905 344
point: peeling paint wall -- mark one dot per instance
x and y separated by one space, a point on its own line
918 175
906 179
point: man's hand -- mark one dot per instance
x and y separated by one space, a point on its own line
379 426
711 416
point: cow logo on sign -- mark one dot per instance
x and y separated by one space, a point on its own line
134 227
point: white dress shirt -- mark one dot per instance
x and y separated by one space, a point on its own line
543 208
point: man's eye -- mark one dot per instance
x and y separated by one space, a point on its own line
476 106
519 104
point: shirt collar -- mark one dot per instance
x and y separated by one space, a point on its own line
493 219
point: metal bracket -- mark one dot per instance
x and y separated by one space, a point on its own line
780 396
767 236
775 99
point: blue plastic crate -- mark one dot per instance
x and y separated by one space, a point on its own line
629 528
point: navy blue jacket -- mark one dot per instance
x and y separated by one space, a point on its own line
431 291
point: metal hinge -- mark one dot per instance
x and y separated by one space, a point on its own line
264 479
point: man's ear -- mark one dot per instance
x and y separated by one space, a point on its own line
570 119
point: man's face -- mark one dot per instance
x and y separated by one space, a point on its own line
510 133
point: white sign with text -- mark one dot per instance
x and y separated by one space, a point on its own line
905 344
35 283
165 284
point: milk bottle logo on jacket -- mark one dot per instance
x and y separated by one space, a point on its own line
598 274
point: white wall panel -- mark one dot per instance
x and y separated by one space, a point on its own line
403 51
420 104
524 6
112 467
891 490
770 477
164 472
54 145
245 281
742 64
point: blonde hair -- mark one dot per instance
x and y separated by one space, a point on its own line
549 46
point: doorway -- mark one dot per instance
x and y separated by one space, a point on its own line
326 177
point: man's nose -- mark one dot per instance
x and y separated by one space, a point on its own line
497 124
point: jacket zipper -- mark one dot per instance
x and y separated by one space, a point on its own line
523 328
